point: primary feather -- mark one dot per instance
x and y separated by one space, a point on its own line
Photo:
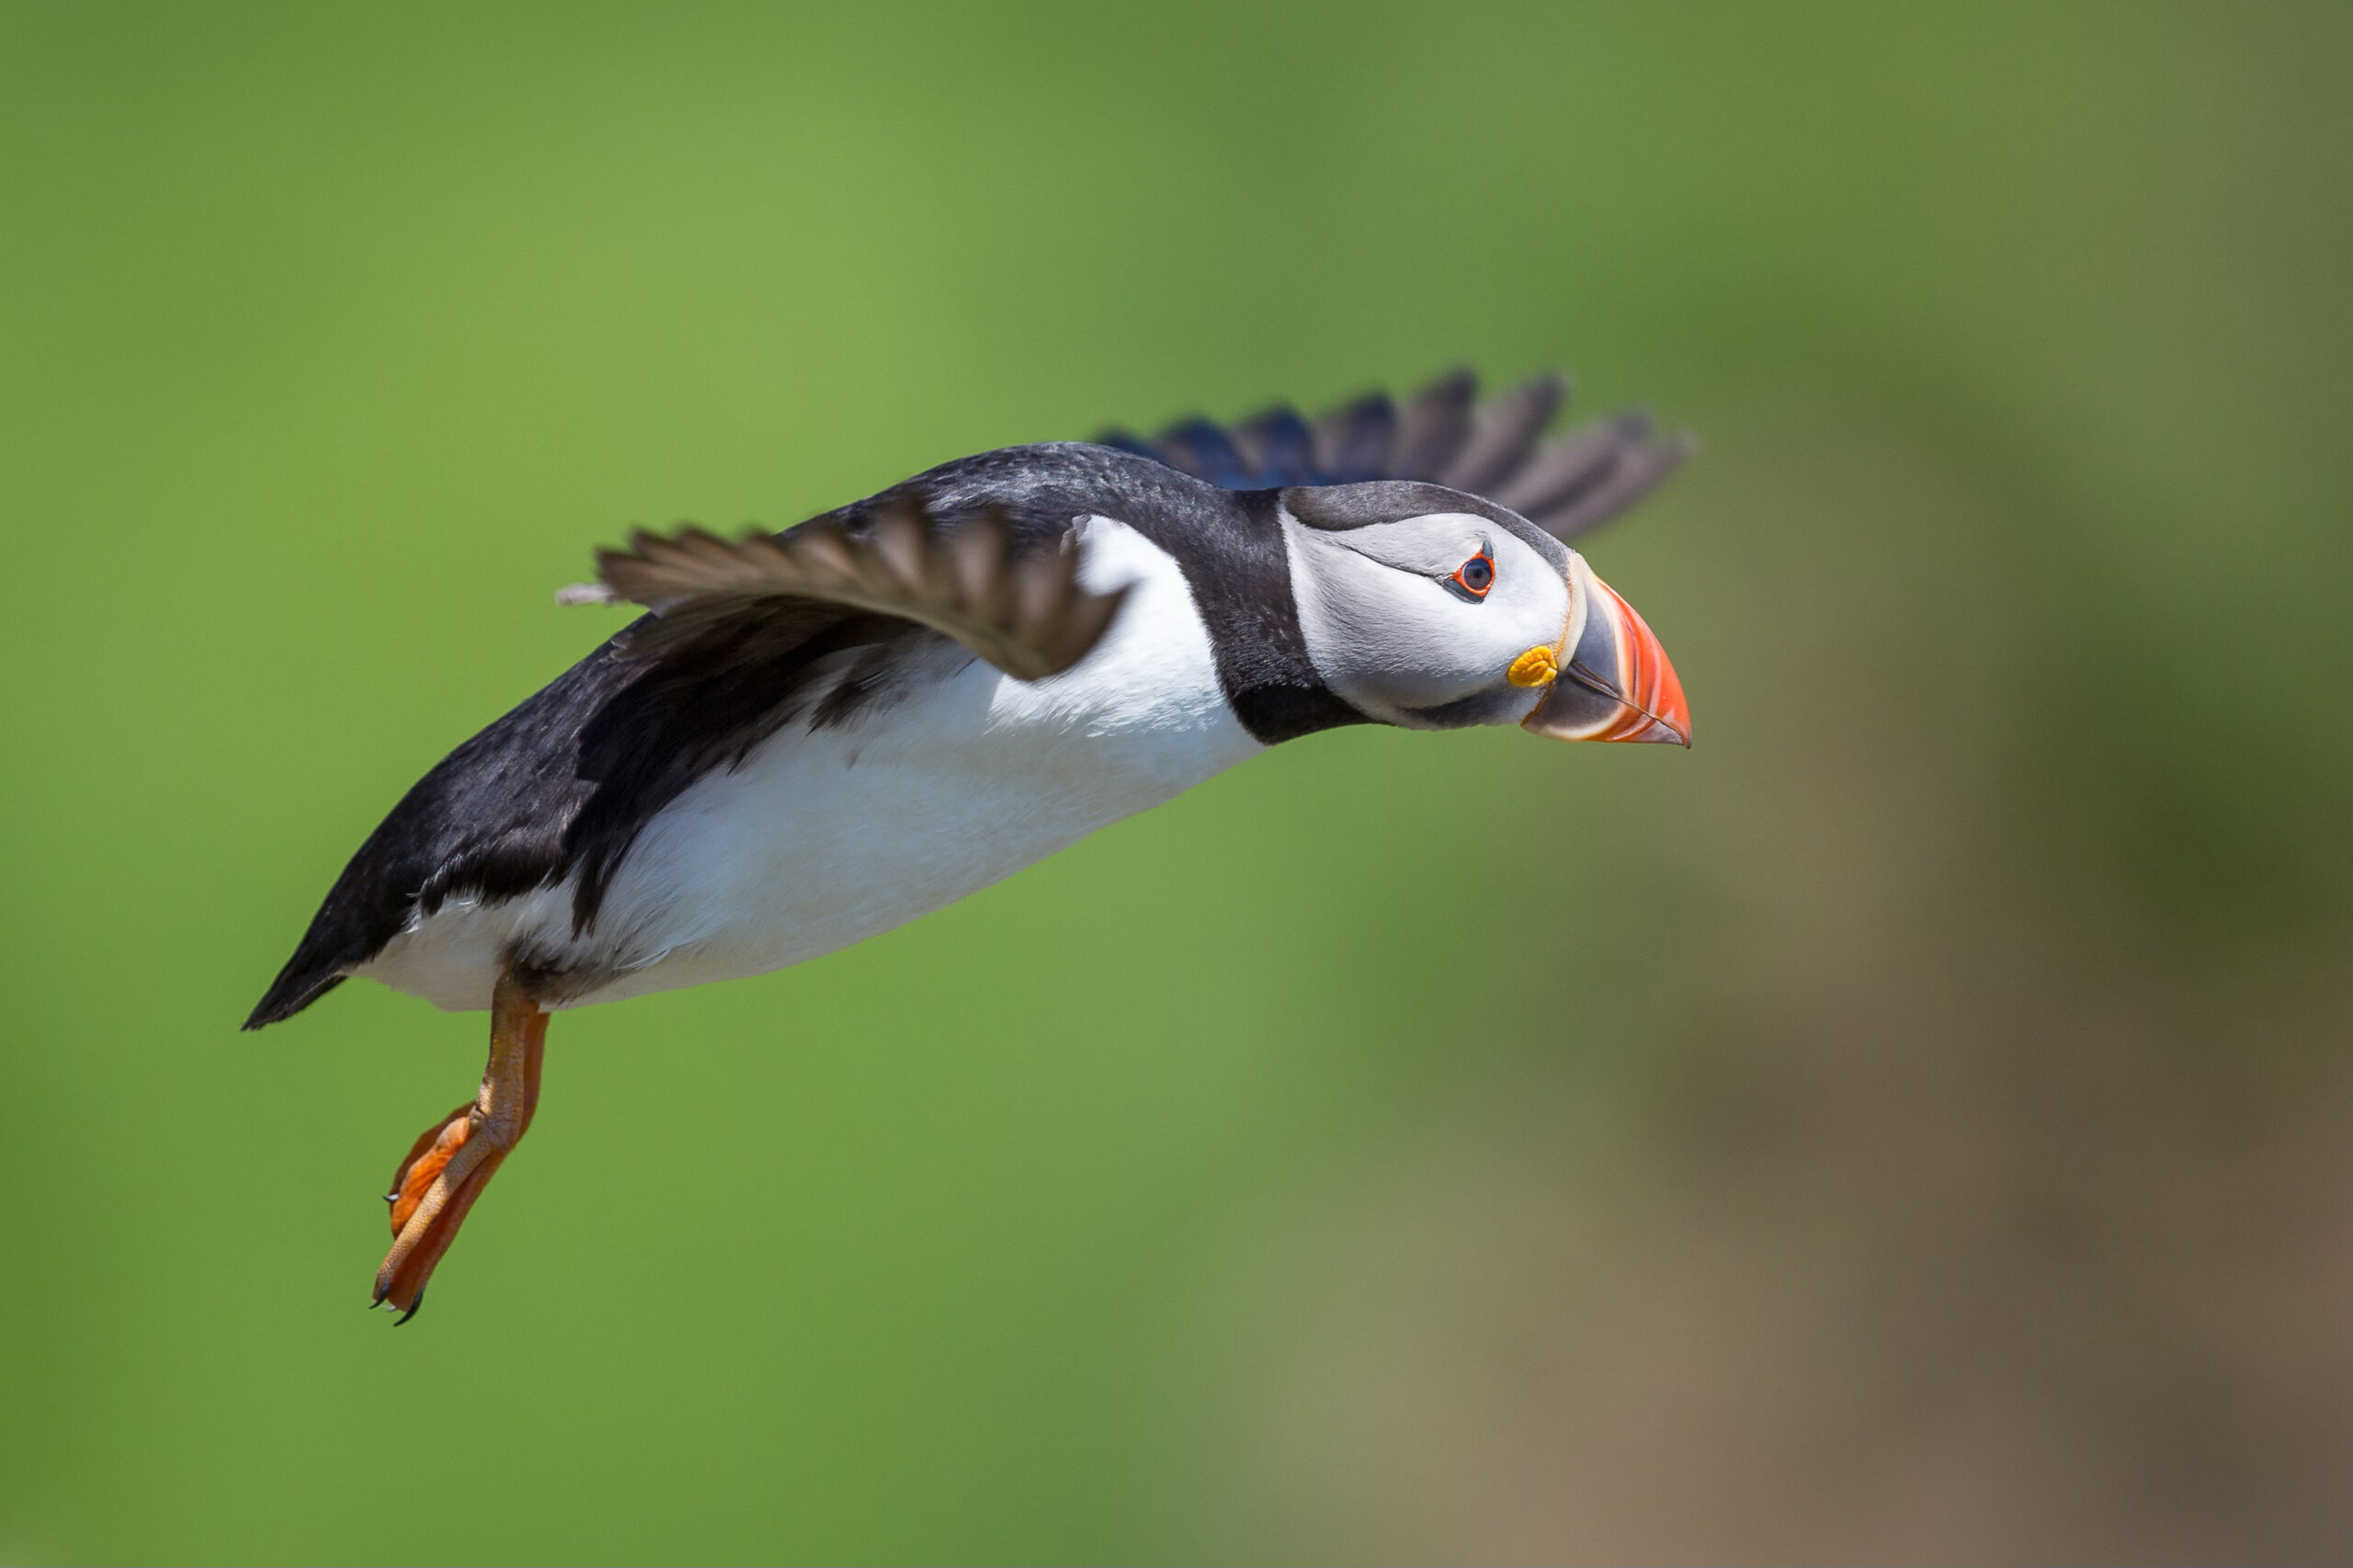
1567 485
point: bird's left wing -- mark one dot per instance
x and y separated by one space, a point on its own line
1025 612
1566 484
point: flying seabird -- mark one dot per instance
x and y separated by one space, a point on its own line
819 734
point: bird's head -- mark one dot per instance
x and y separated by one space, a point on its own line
1434 609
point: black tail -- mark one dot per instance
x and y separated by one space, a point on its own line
299 983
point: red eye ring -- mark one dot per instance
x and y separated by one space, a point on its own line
1474 576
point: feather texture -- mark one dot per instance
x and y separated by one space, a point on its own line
1024 613
1443 435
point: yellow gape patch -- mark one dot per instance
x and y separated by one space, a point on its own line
1534 667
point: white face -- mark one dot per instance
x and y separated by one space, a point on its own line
1397 623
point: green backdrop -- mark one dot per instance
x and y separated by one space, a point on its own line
1911 1125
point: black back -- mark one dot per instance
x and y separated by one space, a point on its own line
565 782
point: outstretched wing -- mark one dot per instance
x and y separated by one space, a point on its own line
814 623
1567 485
1024 613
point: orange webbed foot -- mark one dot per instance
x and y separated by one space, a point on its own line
429 1201
449 1164
426 1159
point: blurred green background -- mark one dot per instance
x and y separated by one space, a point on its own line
1911 1126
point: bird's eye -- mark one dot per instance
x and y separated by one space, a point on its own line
1474 577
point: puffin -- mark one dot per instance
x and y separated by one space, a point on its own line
815 735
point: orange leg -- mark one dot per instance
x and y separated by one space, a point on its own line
449 1167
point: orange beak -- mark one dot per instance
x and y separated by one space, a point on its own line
1616 684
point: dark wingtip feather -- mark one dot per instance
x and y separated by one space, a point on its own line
1434 424
1504 433
1278 449
1201 448
1442 434
1635 467
1352 441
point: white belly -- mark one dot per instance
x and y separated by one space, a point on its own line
825 838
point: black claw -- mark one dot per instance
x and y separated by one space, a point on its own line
414 1308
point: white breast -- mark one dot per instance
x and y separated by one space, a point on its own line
823 838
